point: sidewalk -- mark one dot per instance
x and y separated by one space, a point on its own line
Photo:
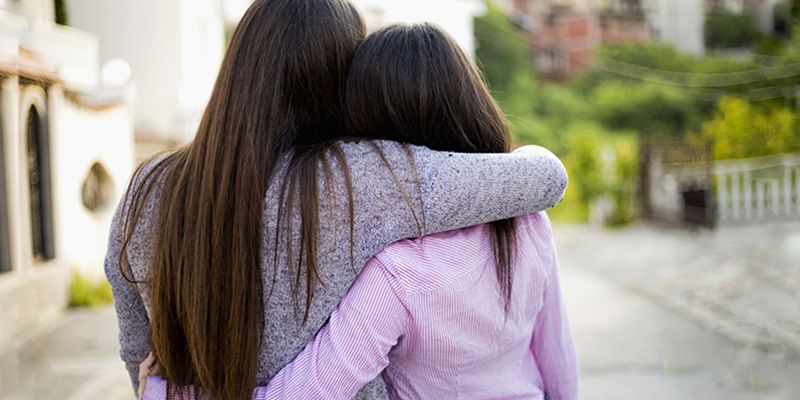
77 360
742 282
631 348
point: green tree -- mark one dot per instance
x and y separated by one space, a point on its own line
504 55
795 5
504 52
651 110
740 129
725 29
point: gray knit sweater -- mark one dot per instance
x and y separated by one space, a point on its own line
456 190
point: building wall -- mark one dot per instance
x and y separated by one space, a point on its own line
455 16
677 22
765 14
174 55
565 45
31 9
35 290
86 137
624 29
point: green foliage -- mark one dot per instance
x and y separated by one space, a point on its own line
791 51
782 18
504 53
726 30
84 292
557 117
584 164
740 129
622 188
646 89
769 46
664 57
795 6
60 8
697 80
645 108
593 177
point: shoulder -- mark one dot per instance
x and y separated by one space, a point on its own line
436 261
538 241
396 152
538 225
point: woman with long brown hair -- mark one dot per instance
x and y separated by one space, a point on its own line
428 312
228 254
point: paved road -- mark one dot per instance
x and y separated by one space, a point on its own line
77 360
634 342
631 348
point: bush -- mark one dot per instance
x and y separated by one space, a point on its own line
504 53
727 30
623 186
769 46
651 110
84 292
740 130
592 177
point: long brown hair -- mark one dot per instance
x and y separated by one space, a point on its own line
414 84
280 91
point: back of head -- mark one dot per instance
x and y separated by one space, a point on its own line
414 84
281 86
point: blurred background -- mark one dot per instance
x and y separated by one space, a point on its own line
679 236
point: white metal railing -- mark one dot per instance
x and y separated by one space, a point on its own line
757 188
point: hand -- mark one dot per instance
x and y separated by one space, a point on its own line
148 367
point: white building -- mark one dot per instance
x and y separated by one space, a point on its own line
65 157
681 22
174 48
455 16
677 22
175 53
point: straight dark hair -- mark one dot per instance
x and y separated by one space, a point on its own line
414 84
280 92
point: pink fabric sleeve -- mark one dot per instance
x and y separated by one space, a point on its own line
352 348
552 343
347 353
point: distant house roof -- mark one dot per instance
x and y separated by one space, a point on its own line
29 66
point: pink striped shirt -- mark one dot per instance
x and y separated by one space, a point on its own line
428 314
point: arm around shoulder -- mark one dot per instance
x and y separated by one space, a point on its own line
468 189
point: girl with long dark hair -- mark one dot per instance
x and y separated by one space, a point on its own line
470 314
227 255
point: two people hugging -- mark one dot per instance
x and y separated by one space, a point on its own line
347 223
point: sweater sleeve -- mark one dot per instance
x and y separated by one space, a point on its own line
132 312
461 190
552 344
352 348
405 191
134 324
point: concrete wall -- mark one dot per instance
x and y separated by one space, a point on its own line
33 294
84 137
174 48
31 9
69 51
677 22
